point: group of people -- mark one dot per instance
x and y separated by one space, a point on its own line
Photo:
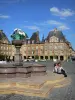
59 69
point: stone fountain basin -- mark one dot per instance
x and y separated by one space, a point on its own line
8 70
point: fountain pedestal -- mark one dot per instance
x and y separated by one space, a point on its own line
21 71
18 55
18 58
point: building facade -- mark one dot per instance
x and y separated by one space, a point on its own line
5 47
55 46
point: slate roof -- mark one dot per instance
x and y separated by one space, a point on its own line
35 37
3 36
56 33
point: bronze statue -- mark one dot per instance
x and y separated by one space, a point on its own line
18 35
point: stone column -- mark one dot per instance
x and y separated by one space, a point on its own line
44 57
18 56
65 58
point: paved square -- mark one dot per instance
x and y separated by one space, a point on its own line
60 92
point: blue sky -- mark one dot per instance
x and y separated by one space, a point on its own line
38 15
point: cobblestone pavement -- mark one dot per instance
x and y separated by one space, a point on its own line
63 93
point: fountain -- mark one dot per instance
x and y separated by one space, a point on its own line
18 68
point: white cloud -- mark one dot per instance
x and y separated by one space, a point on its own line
32 27
61 12
59 25
53 22
4 16
54 9
49 22
63 27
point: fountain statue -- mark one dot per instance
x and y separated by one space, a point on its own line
18 38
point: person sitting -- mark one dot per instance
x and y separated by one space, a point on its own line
59 69
55 68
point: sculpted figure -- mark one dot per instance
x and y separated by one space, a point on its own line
18 34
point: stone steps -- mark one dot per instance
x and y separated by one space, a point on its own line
31 92
32 89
